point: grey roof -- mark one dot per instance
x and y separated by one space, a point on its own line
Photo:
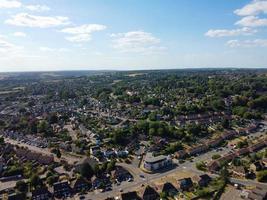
153 159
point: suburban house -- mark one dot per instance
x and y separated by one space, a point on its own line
227 158
214 142
239 171
168 188
243 151
62 189
257 146
202 180
153 163
228 135
214 166
120 174
149 193
198 149
33 156
80 184
185 184
130 196
109 153
94 150
122 153
180 154
98 181
15 196
41 194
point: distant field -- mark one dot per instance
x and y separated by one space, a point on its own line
16 89
7 92
135 74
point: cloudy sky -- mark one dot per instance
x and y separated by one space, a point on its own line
42 35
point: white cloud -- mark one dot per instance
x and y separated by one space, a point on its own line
82 33
19 34
27 20
79 38
253 8
7 47
136 41
10 4
38 8
48 49
252 21
247 43
18 4
228 33
84 29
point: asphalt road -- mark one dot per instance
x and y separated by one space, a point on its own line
149 178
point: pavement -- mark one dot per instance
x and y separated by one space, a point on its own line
188 166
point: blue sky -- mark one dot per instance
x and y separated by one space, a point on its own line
131 34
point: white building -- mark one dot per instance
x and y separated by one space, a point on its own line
153 163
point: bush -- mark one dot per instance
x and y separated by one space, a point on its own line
262 176
215 156
22 186
201 166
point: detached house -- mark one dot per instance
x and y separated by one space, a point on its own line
120 174
214 166
168 189
80 184
41 194
185 184
239 171
130 196
62 189
202 180
149 193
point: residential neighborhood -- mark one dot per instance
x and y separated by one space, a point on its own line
150 136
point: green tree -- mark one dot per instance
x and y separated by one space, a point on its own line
86 170
21 186
215 156
111 165
262 176
35 181
201 166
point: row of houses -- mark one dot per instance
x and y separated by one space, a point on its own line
215 142
27 139
24 153
61 190
214 166
107 153
212 143
171 189
206 118
65 189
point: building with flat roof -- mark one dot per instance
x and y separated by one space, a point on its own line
153 163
